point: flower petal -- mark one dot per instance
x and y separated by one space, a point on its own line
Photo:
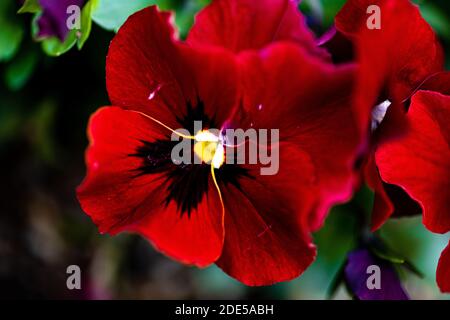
265 240
390 200
248 24
419 162
148 70
440 82
312 109
443 270
382 205
191 239
119 197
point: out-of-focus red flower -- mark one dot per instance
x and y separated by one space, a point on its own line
255 227
402 102
419 161
392 65
393 60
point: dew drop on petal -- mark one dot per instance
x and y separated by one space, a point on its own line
260 106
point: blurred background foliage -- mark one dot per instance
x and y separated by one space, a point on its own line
45 103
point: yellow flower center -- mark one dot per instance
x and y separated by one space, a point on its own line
209 148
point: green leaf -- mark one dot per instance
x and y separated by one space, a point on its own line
436 18
111 14
184 18
20 70
41 124
11 33
10 38
86 22
336 282
54 48
324 9
11 124
388 256
312 7
411 267
30 6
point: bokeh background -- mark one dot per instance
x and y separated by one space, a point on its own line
45 103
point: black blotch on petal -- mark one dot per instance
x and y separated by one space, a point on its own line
186 184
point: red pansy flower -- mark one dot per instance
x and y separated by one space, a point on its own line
255 227
409 157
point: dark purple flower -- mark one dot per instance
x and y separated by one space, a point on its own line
53 21
360 277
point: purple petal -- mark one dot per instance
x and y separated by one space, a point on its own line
356 276
53 21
